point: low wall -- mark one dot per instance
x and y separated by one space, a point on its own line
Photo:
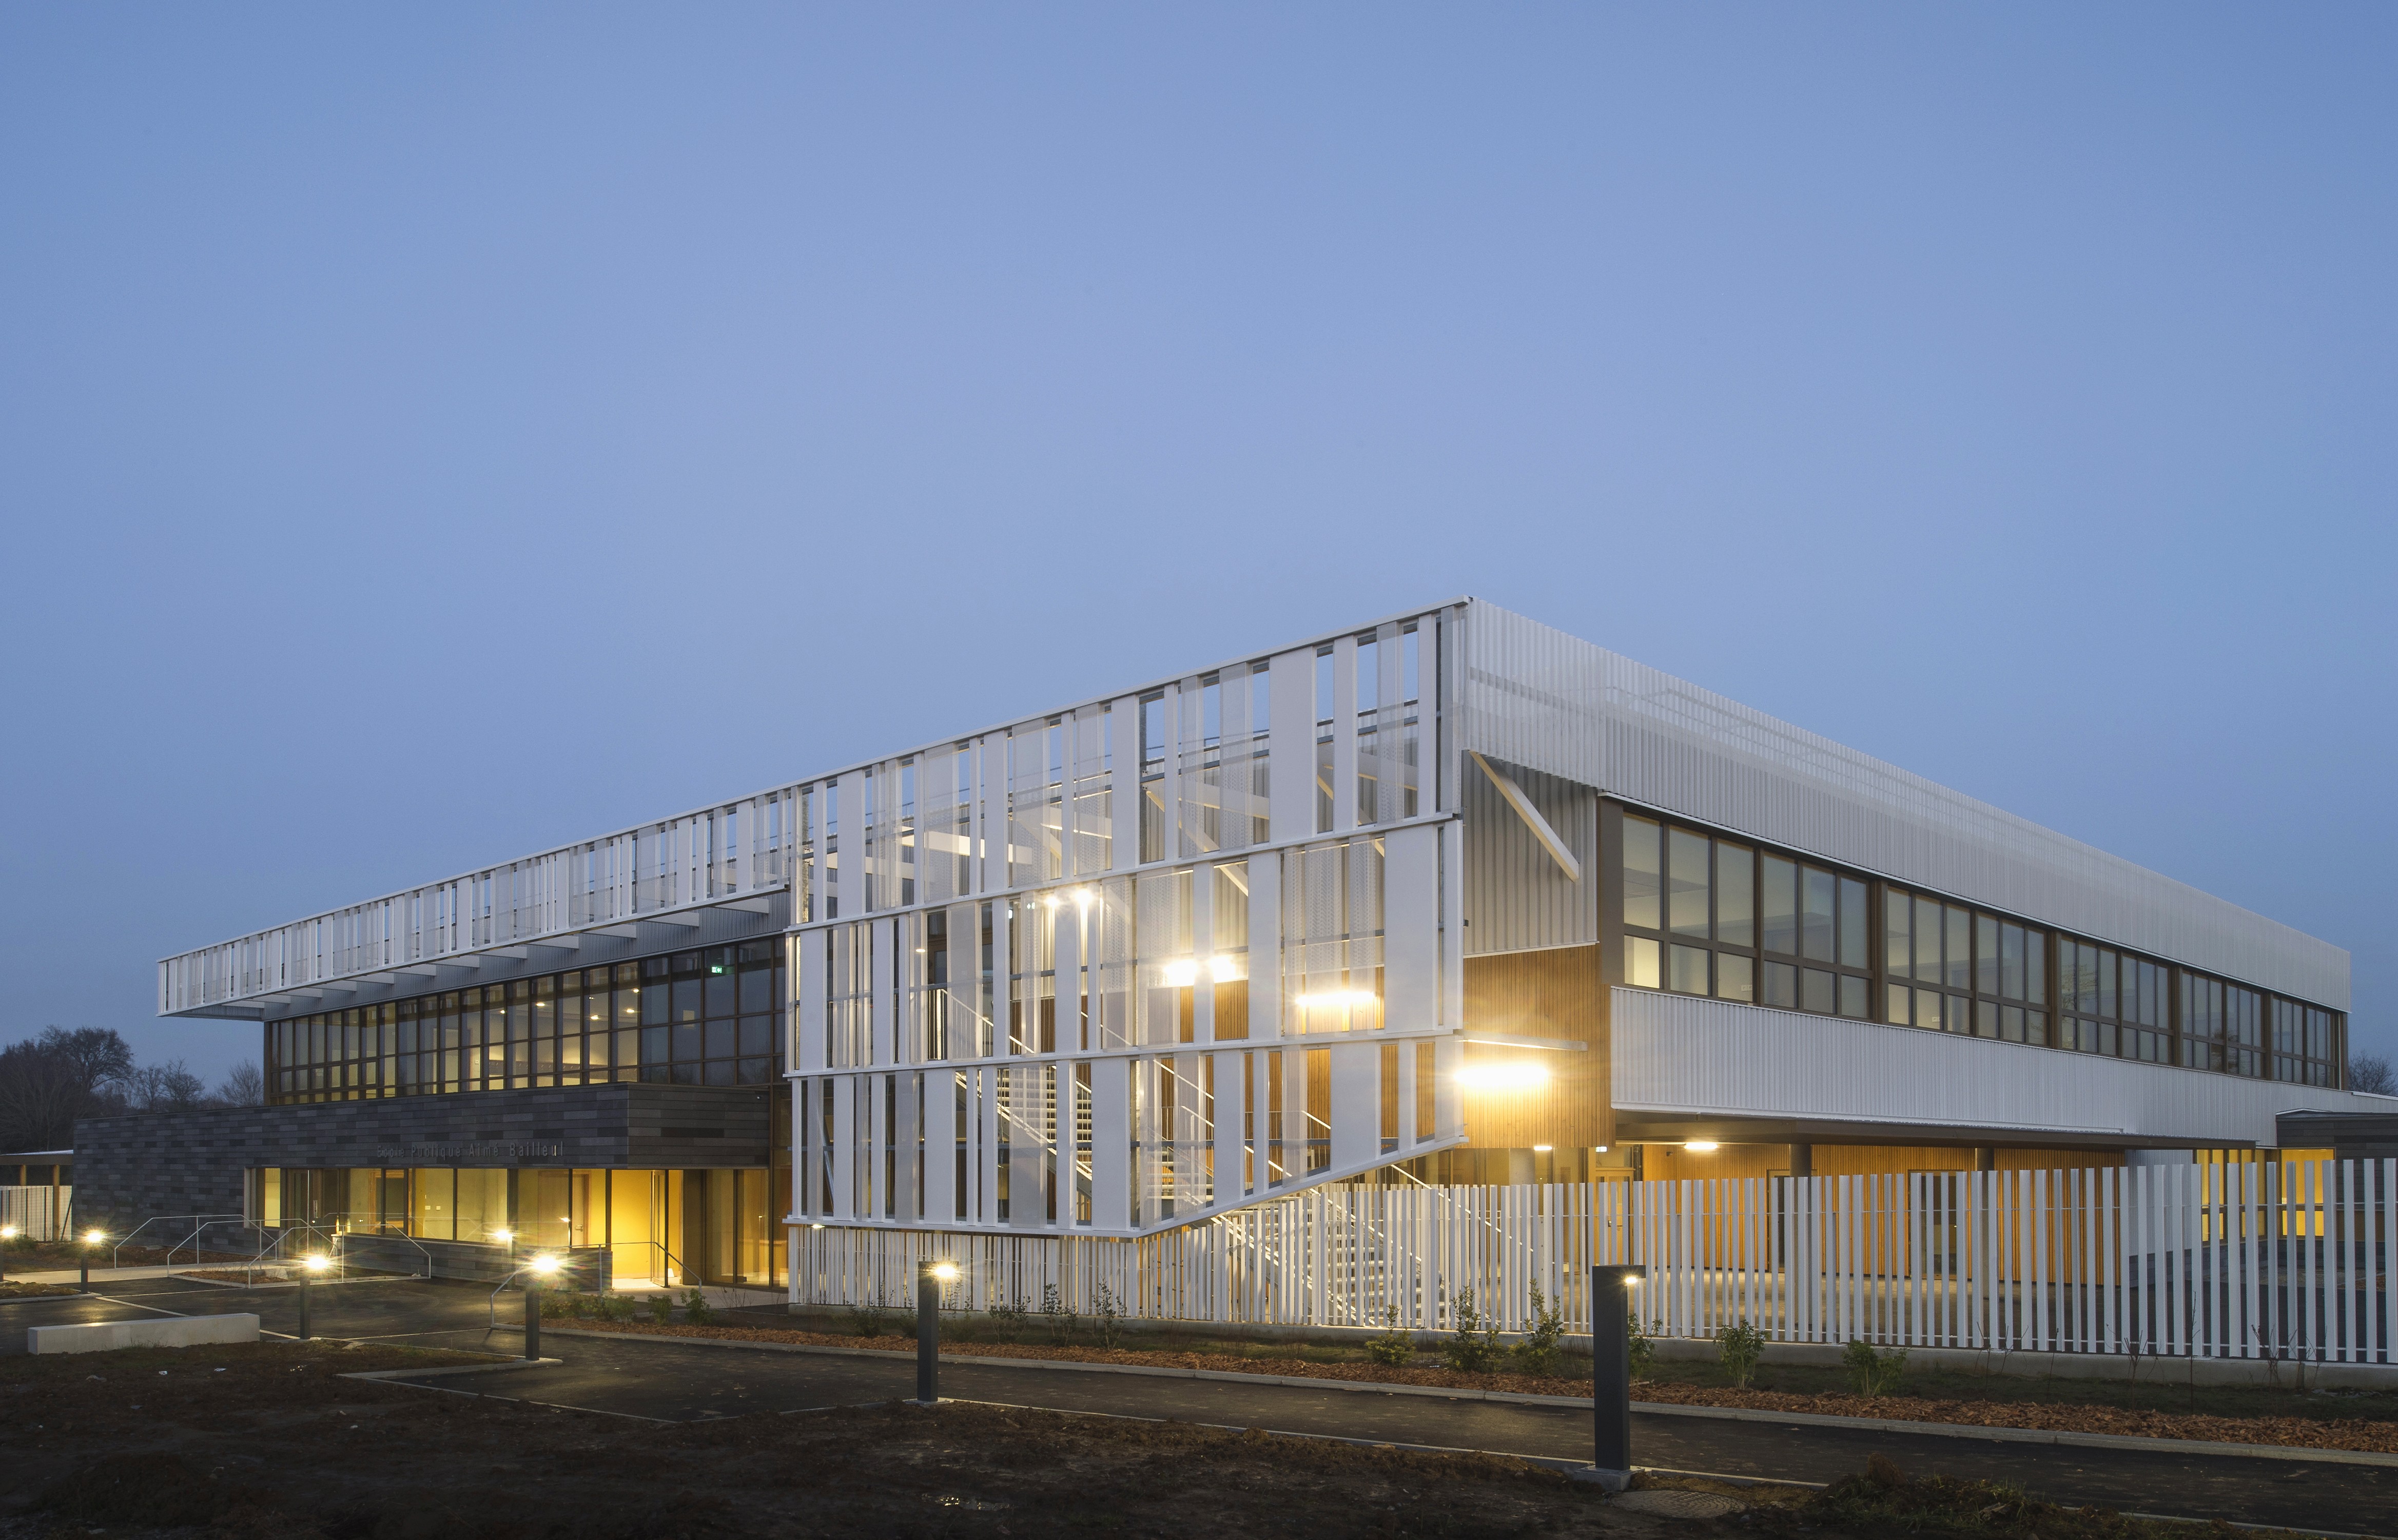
167 1331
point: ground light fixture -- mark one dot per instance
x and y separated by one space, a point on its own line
310 1266
1610 1371
7 1232
930 1276
91 1240
541 1266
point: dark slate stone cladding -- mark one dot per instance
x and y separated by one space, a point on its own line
130 1169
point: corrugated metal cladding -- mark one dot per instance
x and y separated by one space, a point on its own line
1540 698
1517 896
1681 1054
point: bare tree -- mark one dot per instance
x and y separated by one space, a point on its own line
41 1095
244 1086
98 1054
2371 1071
167 1087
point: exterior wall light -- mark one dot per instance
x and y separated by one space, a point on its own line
503 1237
1700 1146
1502 1077
1338 999
1181 975
1225 969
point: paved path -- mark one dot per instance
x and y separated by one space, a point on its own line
680 1383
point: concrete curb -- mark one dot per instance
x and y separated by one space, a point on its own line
494 1367
1658 1408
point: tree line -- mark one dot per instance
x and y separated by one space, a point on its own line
48 1081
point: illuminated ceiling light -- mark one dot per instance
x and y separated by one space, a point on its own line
1338 999
1543 1149
1085 896
1502 1077
1181 975
1600 1148
1225 969
1052 901
1700 1146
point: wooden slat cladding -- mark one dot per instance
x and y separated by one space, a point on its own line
1553 992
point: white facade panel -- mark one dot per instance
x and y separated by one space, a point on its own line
1681 1054
1539 698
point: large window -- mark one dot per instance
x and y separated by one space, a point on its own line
1727 918
1707 914
1952 968
694 1018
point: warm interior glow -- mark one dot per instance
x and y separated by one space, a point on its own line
317 1262
944 1271
1502 1077
503 1237
1700 1146
1181 975
1338 999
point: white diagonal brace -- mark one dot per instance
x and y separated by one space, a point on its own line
1566 860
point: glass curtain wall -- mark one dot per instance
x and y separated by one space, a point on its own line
700 1018
1705 914
665 1228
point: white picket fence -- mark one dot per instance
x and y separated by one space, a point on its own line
45 1212
2277 1261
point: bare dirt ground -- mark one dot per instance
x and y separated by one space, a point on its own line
268 1442
2286 1419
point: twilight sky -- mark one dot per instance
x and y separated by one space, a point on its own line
430 434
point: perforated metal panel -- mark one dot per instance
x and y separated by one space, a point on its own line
1536 697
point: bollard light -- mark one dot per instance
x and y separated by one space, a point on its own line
91 1240
1610 1374
930 1276
310 1266
542 1266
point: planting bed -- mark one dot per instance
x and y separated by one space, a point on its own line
2286 1419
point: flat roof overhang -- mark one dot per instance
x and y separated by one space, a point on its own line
743 919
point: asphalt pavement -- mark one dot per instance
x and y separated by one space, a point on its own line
676 1382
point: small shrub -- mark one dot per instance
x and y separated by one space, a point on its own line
1640 1343
873 1316
556 1306
695 1308
1009 1315
1060 1320
1872 1372
1537 1353
1476 1346
616 1307
661 1307
1737 1349
1109 1321
1390 1346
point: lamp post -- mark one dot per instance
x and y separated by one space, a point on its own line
91 1240
310 1266
1610 1374
930 1276
539 1268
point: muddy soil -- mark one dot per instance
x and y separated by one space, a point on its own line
268 1442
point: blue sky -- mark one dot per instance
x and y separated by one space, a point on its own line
428 434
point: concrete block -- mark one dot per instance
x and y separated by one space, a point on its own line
164 1332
